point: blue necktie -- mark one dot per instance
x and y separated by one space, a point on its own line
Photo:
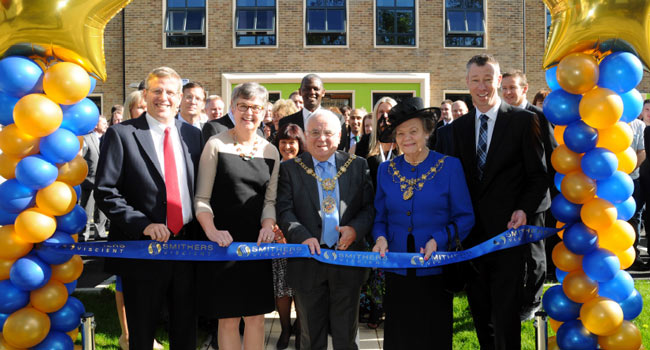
481 146
330 220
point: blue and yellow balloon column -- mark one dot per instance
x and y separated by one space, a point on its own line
44 112
591 104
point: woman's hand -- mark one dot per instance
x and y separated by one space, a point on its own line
429 248
279 236
381 246
266 235
222 238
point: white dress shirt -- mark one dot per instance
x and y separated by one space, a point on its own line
306 114
492 119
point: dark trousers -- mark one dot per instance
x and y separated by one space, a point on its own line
145 296
535 269
494 297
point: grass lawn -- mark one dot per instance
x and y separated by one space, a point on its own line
108 330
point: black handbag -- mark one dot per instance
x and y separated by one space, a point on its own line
455 275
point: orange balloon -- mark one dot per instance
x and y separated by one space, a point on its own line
5 268
73 172
559 225
49 298
35 226
5 346
627 160
577 73
16 143
601 108
75 237
26 328
565 260
627 337
555 325
558 133
8 165
626 257
618 237
578 188
617 138
69 270
73 334
37 115
578 287
66 83
565 160
552 344
56 199
601 316
12 246
598 214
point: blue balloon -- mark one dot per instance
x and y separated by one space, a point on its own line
55 258
558 306
15 197
7 104
580 239
77 304
557 179
30 272
580 137
77 190
93 84
618 288
632 306
559 274
625 209
551 78
66 318
12 298
561 107
599 163
36 172
55 341
620 72
72 222
600 265
71 286
3 318
616 188
20 76
573 335
81 117
632 105
61 146
7 218
565 211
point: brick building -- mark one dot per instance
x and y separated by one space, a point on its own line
362 48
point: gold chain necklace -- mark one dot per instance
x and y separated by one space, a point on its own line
409 185
329 203
240 152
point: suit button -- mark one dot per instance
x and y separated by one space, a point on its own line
410 229
413 169
408 213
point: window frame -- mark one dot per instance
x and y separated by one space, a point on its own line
165 23
101 100
346 25
276 25
416 14
446 25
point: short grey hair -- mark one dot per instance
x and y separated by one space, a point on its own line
327 114
249 91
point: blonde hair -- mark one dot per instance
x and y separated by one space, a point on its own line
284 108
373 147
163 72
133 99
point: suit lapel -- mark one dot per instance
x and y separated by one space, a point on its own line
500 127
344 182
143 136
189 167
311 188
467 141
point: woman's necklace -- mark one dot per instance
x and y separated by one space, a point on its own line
238 148
416 163
328 185
407 186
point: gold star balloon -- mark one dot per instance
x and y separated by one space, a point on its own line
68 30
598 27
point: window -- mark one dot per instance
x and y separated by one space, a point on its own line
337 99
255 23
548 21
397 96
396 22
326 22
464 96
464 23
273 96
98 100
185 23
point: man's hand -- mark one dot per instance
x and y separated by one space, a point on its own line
157 232
347 237
314 245
518 218
429 248
222 238
381 246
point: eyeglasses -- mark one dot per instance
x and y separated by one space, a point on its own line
242 107
159 92
318 133
190 98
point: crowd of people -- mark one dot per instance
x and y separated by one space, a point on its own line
404 177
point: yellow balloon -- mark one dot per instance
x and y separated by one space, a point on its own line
558 134
69 270
5 268
8 165
626 257
5 346
37 115
73 172
17 143
627 337
564 160
26 328
49 298
578 287
577 73
12 246
578 188
601 108
601 316
555 325
627 160
34 226
56 199
559 225
73 334
617 138
598 214
66 83
565 260
618 237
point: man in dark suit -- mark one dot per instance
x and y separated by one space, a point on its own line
514 87
502 156
90 153
445 119
334 214
145 185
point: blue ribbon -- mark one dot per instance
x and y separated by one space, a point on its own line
210 251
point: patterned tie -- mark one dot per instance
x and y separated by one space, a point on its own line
481 147
330 220
174 207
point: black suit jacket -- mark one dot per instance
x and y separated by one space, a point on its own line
444 140
298 213
130 188
514 176
297 119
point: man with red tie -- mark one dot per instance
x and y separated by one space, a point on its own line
145 185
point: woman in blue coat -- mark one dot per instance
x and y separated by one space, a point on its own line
420 195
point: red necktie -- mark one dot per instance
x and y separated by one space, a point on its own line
174 207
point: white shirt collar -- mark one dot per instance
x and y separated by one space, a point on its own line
492 113
523 104
306 114
156 125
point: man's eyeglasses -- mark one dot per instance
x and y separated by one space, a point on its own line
318 133
242 107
